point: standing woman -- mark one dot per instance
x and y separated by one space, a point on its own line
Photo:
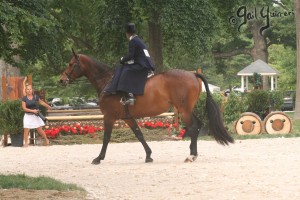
31 119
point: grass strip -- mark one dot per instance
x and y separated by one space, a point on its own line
22 181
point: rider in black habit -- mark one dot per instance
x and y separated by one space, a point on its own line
131 76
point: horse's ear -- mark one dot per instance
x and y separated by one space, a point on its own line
74 53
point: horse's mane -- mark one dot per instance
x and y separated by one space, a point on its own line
100 65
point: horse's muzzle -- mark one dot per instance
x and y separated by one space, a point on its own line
64 82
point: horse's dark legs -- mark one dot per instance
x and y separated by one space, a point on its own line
193 145
138 133
106 139
193 132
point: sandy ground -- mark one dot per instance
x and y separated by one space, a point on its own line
249 169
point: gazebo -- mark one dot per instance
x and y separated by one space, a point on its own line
259 67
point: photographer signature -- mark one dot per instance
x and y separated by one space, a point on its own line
243 16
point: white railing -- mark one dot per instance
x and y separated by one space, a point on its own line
88 114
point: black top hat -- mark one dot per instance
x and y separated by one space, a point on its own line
130 28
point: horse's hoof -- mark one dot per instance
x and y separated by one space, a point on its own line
191 158
96 162
148 160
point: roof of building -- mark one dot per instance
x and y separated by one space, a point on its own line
259 67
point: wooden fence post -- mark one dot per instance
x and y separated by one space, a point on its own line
29 79
3 88
4 99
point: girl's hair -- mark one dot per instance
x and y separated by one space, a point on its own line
27 85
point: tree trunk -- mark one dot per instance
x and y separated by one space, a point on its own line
258 51
155 41
260 48
297 20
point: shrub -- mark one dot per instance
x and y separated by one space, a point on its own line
260 101
276 100
233 108
11 117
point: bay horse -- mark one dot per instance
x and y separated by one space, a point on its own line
178 88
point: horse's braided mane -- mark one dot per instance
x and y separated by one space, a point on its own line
100 65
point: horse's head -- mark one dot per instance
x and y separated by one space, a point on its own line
73 71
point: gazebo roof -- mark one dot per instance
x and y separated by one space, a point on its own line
259 67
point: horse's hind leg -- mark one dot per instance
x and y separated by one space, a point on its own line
138 133
193 131
106 138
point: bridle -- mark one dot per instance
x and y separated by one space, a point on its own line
76 68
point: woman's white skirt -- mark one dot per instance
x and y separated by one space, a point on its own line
32 121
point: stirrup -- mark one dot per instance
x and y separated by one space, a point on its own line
124 101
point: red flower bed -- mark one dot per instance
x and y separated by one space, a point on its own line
79 129
76 129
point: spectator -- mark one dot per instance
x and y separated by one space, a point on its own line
31 118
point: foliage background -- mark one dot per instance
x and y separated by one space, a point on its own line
37 36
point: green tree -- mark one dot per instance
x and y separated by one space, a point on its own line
297 18
180 34
172 28
29 33
284 60
37 36
259 24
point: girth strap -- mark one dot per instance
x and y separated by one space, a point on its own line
128 116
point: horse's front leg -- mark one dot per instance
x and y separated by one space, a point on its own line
138 133
106 138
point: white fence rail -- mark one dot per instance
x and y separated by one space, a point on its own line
88 114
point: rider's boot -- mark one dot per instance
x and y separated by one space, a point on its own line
130 99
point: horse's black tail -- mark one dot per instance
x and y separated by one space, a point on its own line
216 124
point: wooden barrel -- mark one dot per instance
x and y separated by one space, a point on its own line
248 124
277 123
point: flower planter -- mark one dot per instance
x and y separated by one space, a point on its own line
17 140
11 120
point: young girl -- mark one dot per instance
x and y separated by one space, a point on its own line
31 119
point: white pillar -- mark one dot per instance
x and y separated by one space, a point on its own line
276 82
247 83
242 83
272 83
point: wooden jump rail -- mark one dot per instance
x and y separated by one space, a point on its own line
51 113
74 111
92 117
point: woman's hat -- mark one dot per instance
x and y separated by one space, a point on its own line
130 28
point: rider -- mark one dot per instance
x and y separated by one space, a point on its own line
131 76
